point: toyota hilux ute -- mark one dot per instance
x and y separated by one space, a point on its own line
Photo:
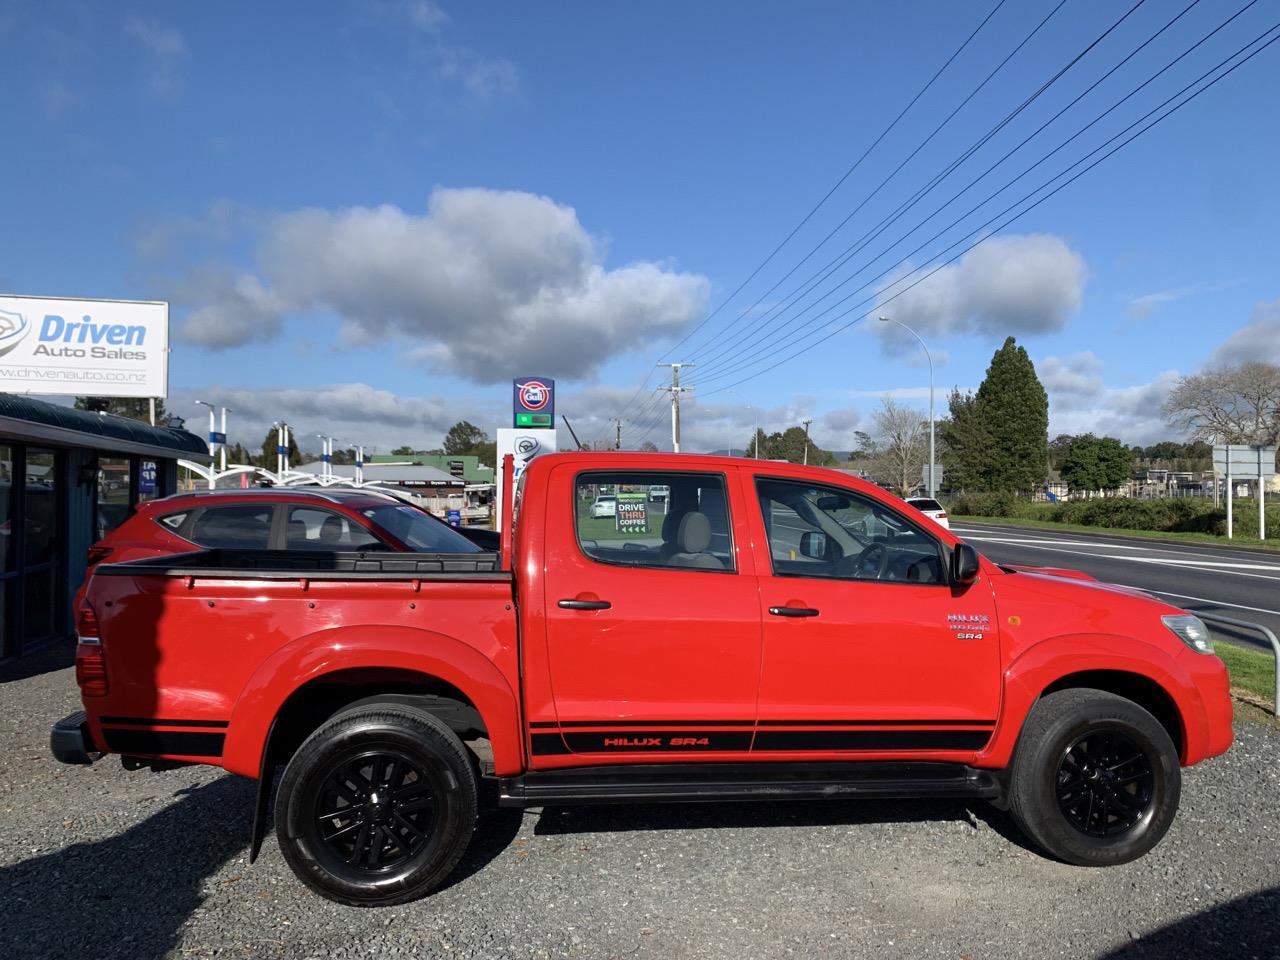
768 631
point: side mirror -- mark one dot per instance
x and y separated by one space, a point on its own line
964 564
813 544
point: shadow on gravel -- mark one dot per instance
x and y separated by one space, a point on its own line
1247 927
772 813
127 896
56 656
496 828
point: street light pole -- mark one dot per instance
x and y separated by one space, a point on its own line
933 486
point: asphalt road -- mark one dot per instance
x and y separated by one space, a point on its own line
101 863
1244 584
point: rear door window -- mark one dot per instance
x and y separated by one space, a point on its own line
234 526
619 522
311 528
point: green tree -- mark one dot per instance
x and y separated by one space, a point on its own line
963 440
487 452
345 457
758 442
1096 463
269 443
403 452
790 445
1059 447
463 437
1012 411
237 454
134 408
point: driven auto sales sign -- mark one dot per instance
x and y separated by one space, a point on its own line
533 403
102 348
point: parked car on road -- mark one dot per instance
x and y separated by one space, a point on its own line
659 493
605 505
762 645
932 509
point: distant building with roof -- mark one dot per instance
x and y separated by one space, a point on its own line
467 466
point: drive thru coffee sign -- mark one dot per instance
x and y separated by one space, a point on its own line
103 348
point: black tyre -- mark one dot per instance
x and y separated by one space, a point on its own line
377 806
1095 779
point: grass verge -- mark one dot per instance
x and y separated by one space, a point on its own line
1253 672
1248 543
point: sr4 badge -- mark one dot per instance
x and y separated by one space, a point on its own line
968 626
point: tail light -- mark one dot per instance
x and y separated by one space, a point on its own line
942 514
91 659
97 555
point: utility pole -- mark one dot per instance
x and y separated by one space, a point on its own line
806 440
617 433
675 390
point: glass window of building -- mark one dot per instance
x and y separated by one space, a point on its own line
113 494
39 586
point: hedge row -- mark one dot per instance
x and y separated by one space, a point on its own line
1179 514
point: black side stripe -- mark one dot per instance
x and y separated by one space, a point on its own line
682 741
619 724
166 742
162 722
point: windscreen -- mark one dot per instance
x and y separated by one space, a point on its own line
924 503
418 530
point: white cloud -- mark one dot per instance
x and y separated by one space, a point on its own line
166 48
352 412
235 310
1006 285
1076 375
483 284
485 78
1149 303
1258 340
426 15
1130 413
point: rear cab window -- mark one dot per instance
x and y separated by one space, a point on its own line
924 503
618 522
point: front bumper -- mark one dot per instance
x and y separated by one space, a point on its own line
70 741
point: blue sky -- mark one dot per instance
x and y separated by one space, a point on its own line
368 216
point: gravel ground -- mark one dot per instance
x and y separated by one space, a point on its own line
100 863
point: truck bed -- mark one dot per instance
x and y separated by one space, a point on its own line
316 565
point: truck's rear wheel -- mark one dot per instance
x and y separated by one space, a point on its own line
377 806
1095 778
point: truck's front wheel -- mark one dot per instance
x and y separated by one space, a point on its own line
377 806
1095 778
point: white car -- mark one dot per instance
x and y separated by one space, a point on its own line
932 509
605 505
659 493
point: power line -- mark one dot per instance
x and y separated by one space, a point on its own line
911 156
744 341
763 344
827 196
1047 196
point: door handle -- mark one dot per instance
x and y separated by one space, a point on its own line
585 604
793 611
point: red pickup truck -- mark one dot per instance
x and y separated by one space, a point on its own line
762 631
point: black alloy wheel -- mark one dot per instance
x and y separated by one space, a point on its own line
1095 778
1105 784
375 811
378 805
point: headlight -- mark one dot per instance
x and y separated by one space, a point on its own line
1190 630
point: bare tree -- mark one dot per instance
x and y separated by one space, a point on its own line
902 444
1233 405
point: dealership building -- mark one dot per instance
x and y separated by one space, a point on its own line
66 478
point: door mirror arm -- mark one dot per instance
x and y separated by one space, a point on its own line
964 565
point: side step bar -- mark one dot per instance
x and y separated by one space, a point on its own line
659 783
